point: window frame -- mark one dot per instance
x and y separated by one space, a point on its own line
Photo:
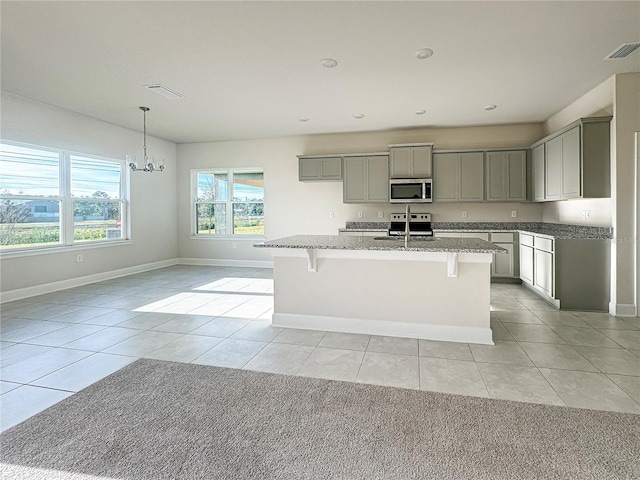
66 201
229 202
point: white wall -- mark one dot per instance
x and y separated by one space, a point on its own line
293 207
153 196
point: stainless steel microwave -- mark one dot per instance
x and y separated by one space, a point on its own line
410 190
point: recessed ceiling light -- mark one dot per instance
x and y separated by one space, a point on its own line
490 107
303 119
423 53
420 112
358 116
164 91
328 62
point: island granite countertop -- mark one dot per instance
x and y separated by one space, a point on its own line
336 242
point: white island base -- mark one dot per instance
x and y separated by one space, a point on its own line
426 295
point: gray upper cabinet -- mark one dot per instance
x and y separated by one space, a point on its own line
576 161
319 169
507 176
458 177
553 175
571 163
410 161
366 179
538 173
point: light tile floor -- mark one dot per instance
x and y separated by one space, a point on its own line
56 344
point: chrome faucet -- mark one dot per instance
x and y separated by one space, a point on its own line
407 235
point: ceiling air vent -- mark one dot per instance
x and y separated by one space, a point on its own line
623 50
164 91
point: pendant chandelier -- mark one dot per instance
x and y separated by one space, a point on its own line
148 164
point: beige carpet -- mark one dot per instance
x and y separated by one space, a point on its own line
163 420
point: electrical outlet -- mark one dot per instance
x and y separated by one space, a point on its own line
79 258
464 214
234 245
380 214
587 214
583 214
360 214
514 213
330 214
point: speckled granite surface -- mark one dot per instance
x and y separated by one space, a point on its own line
553 230
335 242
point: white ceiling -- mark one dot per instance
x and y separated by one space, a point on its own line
251 69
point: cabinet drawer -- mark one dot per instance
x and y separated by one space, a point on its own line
502 237
526 239
480 235
545 244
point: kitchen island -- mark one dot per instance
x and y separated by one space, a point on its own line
437 289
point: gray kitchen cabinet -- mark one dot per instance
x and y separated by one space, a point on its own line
571 163
526 264
526 258
504 265
543 268
319 169
366 179
538 173
553 175
506 176
571 274
410 160
458 177
576 161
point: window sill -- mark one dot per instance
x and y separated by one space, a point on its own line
61 249
231 238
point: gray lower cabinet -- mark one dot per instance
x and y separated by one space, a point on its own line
366 179
458 177
319 169
573 162
526 263
506 176
572 274
505 265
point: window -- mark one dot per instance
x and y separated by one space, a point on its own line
228 202
56 198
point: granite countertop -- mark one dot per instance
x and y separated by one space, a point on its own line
336 242
552 230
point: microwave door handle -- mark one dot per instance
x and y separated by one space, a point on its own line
424 190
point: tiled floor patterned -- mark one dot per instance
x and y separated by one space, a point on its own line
57 344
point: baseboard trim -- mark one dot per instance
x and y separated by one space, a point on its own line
449 333
21 293
223 262
622 309
555 303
